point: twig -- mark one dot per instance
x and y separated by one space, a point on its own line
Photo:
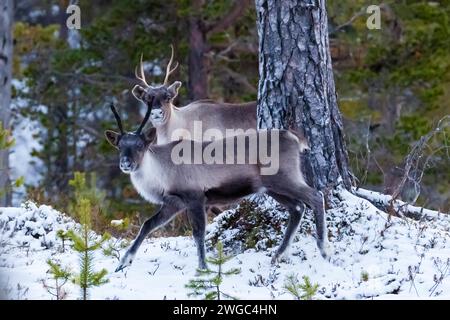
154 271
412 171
353 18
368 152
349 22
443 274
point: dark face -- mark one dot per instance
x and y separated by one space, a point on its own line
161 104
163 97
132 148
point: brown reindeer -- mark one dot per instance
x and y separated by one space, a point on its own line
172 122
160 178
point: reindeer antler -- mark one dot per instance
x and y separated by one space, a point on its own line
116 115
168 70
141 69
146 117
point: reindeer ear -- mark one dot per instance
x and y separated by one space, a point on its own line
173 89
138 92
112 137
150 135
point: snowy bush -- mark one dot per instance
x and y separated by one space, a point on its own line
33 222
249 226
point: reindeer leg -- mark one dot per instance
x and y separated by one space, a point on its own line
170 208
313 199
197 216
295 215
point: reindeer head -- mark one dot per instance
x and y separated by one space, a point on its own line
132 145
162 95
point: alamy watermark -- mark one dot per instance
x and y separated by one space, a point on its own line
73 22
374 20
74 19
236 146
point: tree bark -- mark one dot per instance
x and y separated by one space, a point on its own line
296 87
6 56
197 60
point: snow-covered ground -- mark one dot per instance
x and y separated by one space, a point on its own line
372 258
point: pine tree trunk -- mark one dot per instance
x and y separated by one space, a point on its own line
61 119
296 87
198 62
6 56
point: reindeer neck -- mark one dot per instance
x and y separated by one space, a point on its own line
174 107
149 179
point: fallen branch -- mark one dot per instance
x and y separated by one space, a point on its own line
402 209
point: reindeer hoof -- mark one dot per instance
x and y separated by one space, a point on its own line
125 262
326 250
274 259
120 268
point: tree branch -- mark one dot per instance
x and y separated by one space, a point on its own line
236 47
241 79
360 13
349 22
234 14
402 209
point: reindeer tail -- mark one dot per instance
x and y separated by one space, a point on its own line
302 142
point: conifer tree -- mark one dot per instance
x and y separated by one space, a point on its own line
63 236
61 276
301 291
210 286
84 241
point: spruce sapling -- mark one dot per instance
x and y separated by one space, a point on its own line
210 287
300 291
84 242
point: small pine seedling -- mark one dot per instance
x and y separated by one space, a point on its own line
300 291
63 236
84 242
364 276
210 286
113 249
61 276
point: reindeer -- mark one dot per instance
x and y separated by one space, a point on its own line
167 118
191 187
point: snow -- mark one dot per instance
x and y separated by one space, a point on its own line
374 257
117 223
